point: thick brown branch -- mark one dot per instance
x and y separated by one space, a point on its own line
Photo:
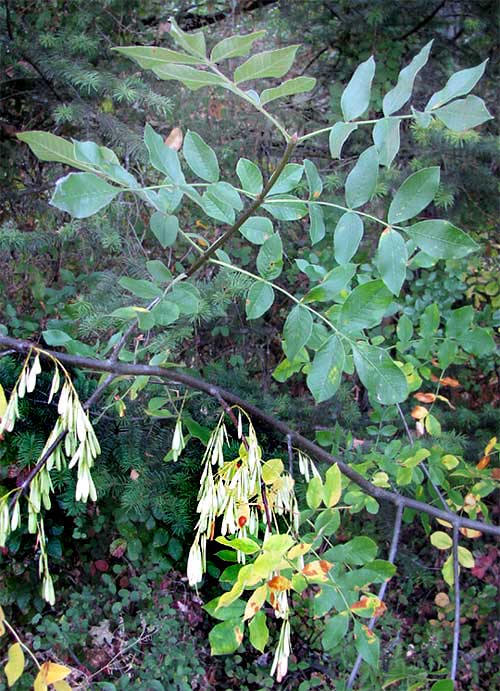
132 370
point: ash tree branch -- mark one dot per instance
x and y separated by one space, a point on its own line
198 384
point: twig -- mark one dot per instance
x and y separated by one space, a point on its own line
381 593
251 209
456 587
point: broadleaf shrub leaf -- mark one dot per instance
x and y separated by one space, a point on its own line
325 374
384 380
414 195
260 297
362 180
83 194
356 96
200 157
397 97
441 239
271 63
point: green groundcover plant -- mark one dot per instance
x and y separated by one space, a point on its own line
332 327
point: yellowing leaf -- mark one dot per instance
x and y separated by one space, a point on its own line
3 402
62 686
279 583
51 672
465 557
299 550
419 412
470 532
255 602
15 664
488 449
174 139
39 684
2 619
483 463
442 600
317 569
425 397
441 540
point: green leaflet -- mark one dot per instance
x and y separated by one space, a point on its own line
216 208
325 373
441 239
271 63
365 306
395 99
158 271
165 313
459 84
317 227
367 644
250 176
463 114
152 56
356 96
270 257
226 193
193 42
335 630
387 140
162 157
257 229
164 228
314 181
289 178
191 78
385 382
258 631
414 195
297 330
290 87
362 180
338 137
200 157
260 297
391 260
333 283
235 46
225 638
49 147
347 236
82 194
285 207
141 288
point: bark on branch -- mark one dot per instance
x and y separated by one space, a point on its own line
133 370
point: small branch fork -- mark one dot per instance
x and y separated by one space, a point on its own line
198 384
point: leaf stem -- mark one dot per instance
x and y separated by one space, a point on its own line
310 135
